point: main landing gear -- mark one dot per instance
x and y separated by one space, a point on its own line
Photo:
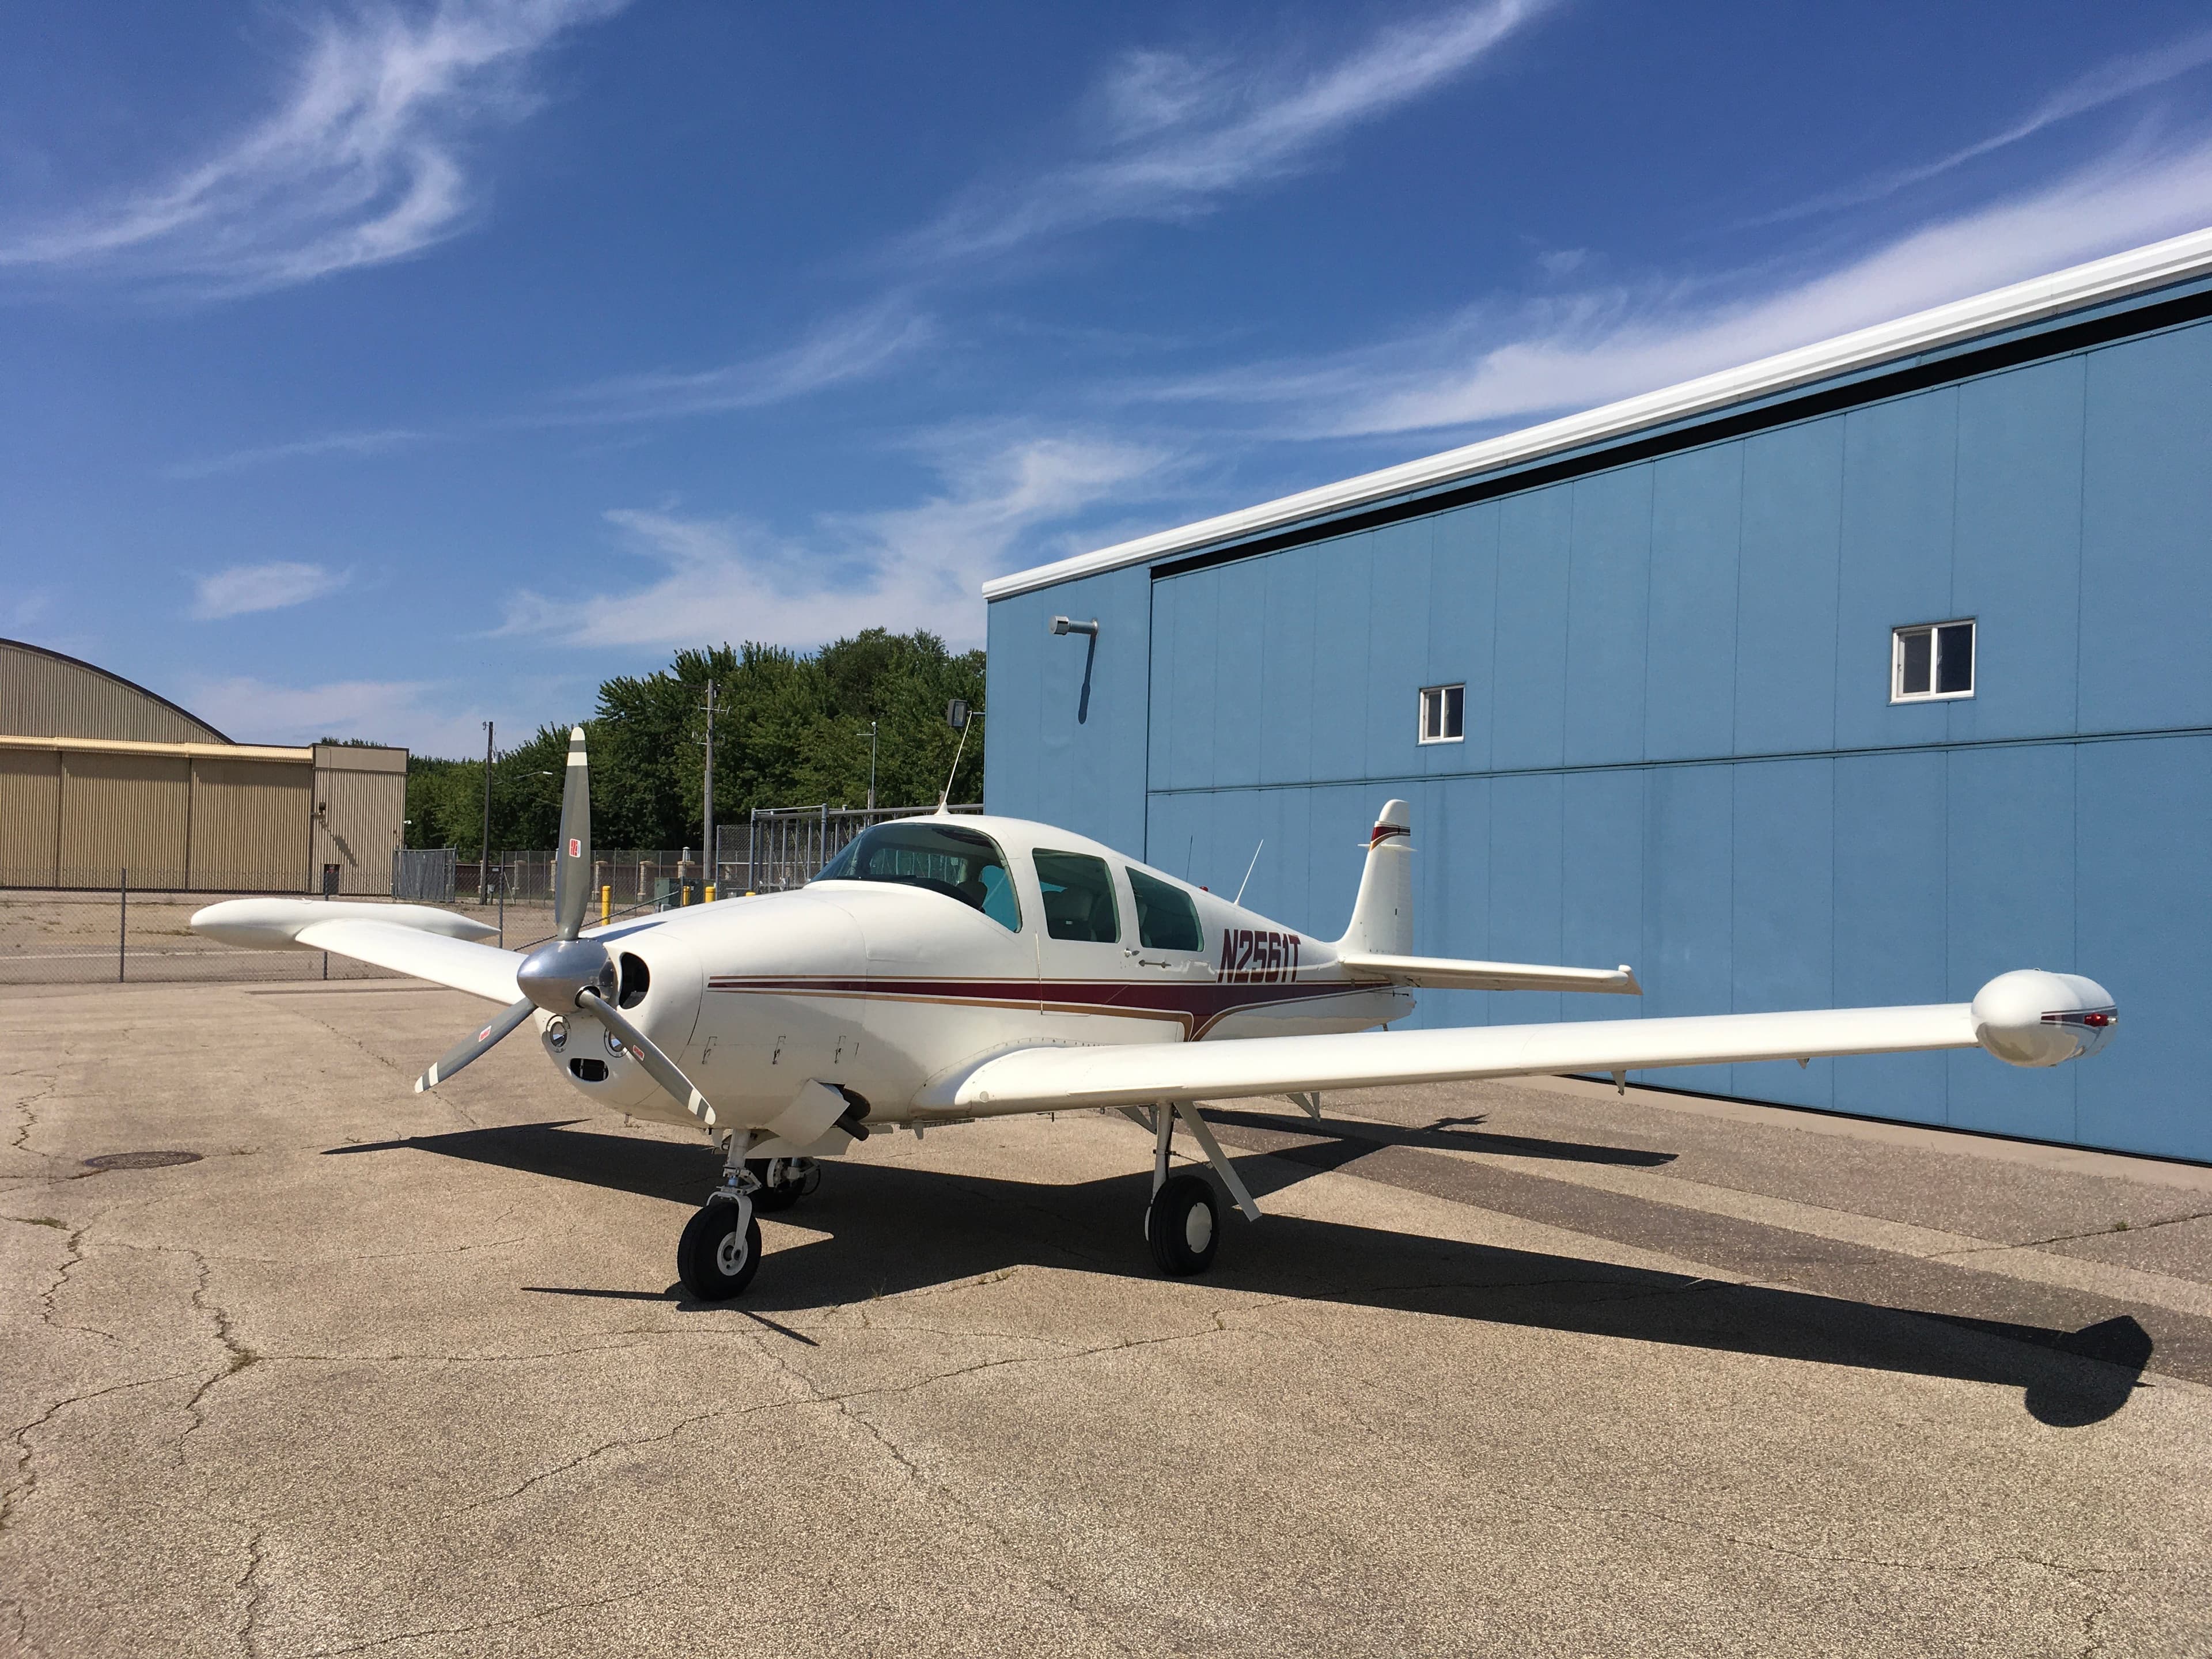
1183 1222
721 1248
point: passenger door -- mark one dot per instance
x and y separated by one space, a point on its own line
1085 970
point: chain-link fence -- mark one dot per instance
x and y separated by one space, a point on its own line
75 937
780 848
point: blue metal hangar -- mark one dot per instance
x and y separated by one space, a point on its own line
1856 675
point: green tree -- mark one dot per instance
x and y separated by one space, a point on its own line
790 730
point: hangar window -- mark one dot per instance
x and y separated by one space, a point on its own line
1443 714
1930 661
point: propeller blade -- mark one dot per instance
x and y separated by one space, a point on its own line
469 1048
658 1066
572 863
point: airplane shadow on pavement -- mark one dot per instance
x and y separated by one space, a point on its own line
885 1229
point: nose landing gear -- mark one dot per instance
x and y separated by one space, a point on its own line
721 1248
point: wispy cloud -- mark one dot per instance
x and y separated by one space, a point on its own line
332 443
1175 134
418 714
361 165
914 566
842 348
2108 83
1493 362
245 588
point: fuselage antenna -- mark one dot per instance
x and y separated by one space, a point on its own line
959 717
1248 869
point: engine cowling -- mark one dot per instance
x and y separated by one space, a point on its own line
2031 1018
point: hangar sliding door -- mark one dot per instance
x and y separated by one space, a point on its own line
125 812
30 816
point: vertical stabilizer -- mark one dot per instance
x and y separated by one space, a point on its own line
1383 915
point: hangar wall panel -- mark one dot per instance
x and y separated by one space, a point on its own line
1680 748
249 825
125 812
30 816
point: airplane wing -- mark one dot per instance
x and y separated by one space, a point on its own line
2029 1018
1446 972
418 941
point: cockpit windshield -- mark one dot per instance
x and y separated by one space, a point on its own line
940 858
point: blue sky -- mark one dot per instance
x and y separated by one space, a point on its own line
379 369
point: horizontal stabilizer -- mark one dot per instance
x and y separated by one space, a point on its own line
1440 973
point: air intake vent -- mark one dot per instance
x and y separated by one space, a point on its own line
590 1071
636 979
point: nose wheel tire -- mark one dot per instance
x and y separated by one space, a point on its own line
1183 1225
714 1259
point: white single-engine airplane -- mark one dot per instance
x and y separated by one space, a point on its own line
942 970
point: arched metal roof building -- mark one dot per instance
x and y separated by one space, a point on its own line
104 782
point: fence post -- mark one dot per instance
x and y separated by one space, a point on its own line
122 921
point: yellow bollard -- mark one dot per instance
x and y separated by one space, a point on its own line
710 893
683 894
607 905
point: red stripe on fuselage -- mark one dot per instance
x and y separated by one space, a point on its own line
1197 1007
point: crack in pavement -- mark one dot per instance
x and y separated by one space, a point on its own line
76 1259
236 1355
530 1616
22 1139
249 1584
12 1500
2113 1231
597 1451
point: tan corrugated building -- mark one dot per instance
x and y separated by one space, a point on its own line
99 776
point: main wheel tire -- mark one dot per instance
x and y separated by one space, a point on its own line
713 1258
767 1198
1183 1225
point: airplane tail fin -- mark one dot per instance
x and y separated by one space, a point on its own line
1383 915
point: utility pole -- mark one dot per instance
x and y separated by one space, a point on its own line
483 858
706 812
872 766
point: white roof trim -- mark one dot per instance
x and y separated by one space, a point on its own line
2171 261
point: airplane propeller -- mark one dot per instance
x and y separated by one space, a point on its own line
570 974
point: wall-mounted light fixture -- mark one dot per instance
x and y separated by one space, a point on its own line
1064 625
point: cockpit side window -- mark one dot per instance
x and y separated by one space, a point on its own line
1079 896
1166 919
940 858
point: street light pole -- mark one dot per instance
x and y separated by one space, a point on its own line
707 811
483 854
872 766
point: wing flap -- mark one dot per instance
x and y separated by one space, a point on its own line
481 970
1047 1078
1440 973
